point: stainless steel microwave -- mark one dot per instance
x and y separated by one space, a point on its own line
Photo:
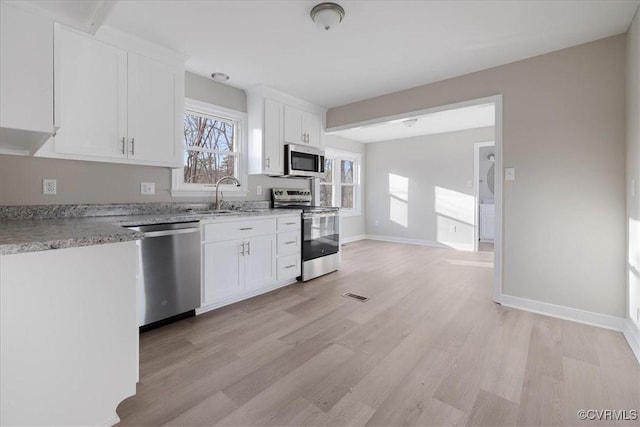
303 161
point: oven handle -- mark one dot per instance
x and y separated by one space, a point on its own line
319 215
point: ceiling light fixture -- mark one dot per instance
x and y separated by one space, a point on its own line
220 77
327 15
410 122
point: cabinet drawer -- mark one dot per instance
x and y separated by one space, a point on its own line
289 243
288 224
288 267
238 230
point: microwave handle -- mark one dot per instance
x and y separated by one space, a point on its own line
321 165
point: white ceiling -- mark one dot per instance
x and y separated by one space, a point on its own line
471 117
380 47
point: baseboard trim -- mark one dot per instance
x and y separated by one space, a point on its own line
244 296
567 313
632 335
352 239
392 239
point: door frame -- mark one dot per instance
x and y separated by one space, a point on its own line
499 171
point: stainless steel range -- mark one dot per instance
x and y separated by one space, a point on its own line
320 231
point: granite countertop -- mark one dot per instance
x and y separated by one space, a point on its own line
33 235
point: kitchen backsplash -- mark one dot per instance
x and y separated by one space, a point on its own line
80 182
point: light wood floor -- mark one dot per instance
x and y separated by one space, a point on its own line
429 348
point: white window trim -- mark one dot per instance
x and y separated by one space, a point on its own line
180 189
334 153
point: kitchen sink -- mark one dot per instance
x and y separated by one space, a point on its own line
212 212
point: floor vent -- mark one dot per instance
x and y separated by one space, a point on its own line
355 297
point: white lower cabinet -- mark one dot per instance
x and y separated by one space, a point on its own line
223 262
239 260
289 247
260 257
248 257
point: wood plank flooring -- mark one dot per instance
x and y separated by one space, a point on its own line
428 349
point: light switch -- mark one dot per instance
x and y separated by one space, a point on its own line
509 174
258 189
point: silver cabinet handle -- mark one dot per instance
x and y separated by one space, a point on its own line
289 223
246 228
123 152
242 253
290 243
133 146
248 248
290 266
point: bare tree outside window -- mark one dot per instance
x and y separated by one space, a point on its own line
210 148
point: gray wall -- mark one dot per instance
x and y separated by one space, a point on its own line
633 170
93 182
564 132
438 195
351 226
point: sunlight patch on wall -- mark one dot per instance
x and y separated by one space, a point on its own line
399 199
455 218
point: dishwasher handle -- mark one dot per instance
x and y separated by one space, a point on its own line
163 233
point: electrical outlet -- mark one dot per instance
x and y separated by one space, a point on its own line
259 190
49 186
147 188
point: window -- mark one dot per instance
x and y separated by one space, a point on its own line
213 148
340 185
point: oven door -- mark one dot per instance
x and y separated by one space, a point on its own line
321 235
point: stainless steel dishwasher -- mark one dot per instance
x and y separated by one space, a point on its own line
169 272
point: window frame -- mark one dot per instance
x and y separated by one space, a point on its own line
181 189
337 156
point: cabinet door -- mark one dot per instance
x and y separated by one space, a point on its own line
313 129
153 111
223 262
273 148
260 262
91 96
293 125
26 80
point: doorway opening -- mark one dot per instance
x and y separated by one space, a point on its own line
484 160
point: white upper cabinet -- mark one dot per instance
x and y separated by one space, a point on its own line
275 119
302 127
26 80
156 97
91 96
115 105
265 122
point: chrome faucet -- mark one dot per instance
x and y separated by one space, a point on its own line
219 201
